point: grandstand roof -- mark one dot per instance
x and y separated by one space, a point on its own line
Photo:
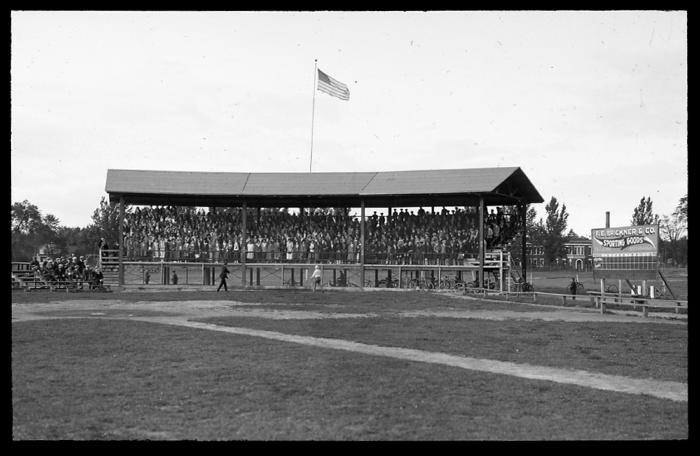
449 187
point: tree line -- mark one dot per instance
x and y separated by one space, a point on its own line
32 231
549 232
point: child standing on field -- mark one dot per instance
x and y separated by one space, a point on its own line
316 277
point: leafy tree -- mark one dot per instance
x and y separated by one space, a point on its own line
673 231
25 217
105 223
534 230
644 214
30 230
74 240
682 208
554 226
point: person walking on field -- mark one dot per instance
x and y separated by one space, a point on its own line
223 276
572 286
316 277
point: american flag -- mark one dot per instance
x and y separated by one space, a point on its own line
332 87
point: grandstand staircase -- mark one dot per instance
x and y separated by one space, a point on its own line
109 265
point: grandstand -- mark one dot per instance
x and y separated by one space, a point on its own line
469 188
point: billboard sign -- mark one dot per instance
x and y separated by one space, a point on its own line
626 241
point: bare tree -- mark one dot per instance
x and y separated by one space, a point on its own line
674 229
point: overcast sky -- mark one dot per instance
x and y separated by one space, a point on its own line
591 105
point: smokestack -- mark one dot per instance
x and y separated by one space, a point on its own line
607 219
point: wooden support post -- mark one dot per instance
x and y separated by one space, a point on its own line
362 243
244 236
482 252
523 221
400 278
121 240
619 288
500 272
666 285
301 277
292 278
203 281
282 280
376 278
257 276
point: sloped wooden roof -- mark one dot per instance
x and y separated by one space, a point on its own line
377 189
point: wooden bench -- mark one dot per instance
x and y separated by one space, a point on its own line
76 286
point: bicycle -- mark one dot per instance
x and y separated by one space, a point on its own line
386 283
420 283
445 283
612 289
522 286
579 288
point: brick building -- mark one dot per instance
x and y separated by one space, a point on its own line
578 255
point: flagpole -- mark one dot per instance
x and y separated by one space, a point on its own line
313 108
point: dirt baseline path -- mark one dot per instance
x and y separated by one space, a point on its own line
179 314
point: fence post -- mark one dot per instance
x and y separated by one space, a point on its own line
282 274
619 289
500 271
400 278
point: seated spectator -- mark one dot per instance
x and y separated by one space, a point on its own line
331 235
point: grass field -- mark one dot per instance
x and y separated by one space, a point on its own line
128 366
558 281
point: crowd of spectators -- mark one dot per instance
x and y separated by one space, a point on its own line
330 236
66 269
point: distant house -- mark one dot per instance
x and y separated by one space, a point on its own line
578 254
46 250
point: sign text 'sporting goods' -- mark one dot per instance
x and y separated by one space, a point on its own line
627 241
